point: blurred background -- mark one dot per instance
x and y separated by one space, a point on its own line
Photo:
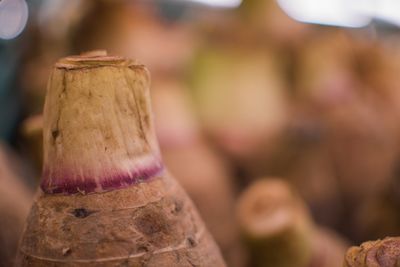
307 92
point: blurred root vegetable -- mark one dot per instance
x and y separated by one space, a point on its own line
268 18
196 165
241 101
313 176
276 225
106 198
279 231
363 150
32 135
136 29
344 93
328 249
377 216
15 201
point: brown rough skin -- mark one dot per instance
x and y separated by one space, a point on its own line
106 199
380 253
151 224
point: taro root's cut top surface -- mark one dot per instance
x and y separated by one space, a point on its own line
95 59
380 253
98 132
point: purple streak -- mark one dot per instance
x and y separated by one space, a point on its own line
65 183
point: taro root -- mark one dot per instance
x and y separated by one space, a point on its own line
15 201
359 136
277 227
240 97
380 253
270 20
346 93
105 197
201 171
136 29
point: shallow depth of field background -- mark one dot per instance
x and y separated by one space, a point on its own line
239 94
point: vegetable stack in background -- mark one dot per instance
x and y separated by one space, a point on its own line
237 94
106 198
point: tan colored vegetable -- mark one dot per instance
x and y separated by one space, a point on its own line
279 231
266 17
15 201
276 225
380 253
200 170
32 135
241 100
106 199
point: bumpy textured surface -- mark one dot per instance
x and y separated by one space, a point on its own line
380 253
151 224
106 199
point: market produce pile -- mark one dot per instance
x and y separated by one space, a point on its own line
164 134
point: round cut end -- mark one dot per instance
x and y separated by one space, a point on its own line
267 208
93 59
